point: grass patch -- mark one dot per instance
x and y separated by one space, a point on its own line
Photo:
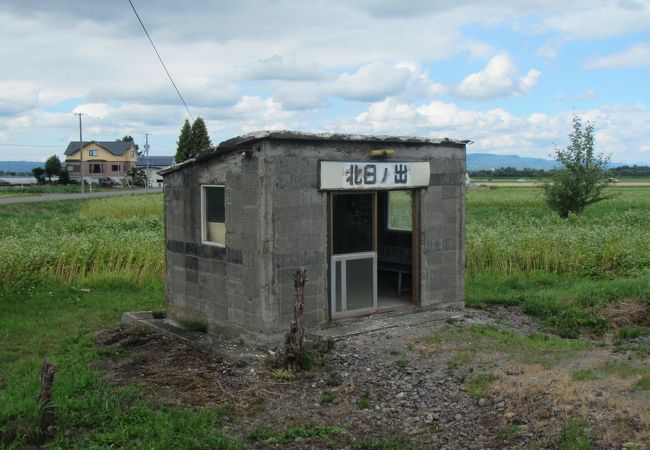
381 444
328 397
533 349
283 375
584 375
642 384
268 436
575 435
477 385
398 363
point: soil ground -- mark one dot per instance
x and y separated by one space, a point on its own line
488 380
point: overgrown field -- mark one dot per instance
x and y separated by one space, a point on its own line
567 272
68 269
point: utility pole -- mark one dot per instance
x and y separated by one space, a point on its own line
146 149
81 153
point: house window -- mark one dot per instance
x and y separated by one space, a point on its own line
92 152
115 167
213 215
96 168
72 168
400 208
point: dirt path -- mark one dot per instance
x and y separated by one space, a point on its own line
489 380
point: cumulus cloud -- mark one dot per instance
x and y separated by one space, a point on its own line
636 56
500 78
17 97
501 132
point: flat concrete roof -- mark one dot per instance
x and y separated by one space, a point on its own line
247 140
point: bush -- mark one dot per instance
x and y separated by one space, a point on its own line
107 182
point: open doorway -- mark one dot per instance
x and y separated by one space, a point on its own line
372 252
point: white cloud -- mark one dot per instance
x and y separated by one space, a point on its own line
589 94
373 81
498 131
278 67
635 56
500 78
17 97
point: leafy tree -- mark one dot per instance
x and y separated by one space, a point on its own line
135 177
129 138
64 177
183 149
580 180
52 167
39 174
200 140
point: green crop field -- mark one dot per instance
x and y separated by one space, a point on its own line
70 268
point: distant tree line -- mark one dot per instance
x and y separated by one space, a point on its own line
511 172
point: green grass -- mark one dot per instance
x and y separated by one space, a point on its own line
478 384
642 384
563 271
533 349
576 435
271 437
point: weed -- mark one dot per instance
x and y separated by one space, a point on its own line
283 375
272 437
642 384
584 375
381 444
398 363
477 385
333 380
575 435
364 400
328 397
620 368
508 433
194 325
158 314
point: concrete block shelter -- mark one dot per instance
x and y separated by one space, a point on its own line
378 222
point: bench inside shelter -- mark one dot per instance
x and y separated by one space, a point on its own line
395 259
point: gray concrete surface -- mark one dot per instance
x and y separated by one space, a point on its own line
60 196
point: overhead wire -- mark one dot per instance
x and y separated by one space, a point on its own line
161 60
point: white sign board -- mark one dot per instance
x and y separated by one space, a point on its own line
373 175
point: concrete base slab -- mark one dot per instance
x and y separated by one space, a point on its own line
359 325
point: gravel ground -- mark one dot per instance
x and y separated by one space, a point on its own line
396 386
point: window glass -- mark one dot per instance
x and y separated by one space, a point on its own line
214 214
352 224
115 167
92 152
400 210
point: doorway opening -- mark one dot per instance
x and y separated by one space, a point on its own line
373 262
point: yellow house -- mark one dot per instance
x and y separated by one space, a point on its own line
113 159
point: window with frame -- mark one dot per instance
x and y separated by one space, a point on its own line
400 211
96 168
92 152
115 167
213 220
72 168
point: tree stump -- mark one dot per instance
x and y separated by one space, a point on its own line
296 332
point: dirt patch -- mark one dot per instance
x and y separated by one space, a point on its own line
629 312
478 383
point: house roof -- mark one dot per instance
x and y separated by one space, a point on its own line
155 161
117 148
246 140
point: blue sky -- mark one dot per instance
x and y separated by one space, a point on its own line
508 75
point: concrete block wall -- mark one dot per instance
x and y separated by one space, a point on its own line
277 222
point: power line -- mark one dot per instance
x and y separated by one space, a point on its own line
161 61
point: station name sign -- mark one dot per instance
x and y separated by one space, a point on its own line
339 175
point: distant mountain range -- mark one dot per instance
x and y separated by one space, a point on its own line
486 161
19 166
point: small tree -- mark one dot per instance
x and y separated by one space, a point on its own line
39 174
581 179
52 167
184 142
200 140
135 177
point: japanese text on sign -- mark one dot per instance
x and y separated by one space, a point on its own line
373 175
